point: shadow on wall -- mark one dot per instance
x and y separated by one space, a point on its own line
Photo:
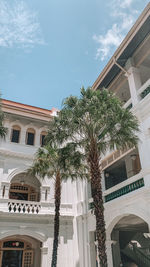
66 230
77 264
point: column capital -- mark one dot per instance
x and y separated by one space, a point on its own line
7 184
44 250
133 70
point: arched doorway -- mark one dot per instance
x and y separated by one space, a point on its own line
20 251
131 242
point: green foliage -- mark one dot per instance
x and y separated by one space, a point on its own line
98 115
67 160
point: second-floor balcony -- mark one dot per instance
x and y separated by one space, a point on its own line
22 207
26 195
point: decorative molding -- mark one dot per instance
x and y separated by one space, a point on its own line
44 250
16 154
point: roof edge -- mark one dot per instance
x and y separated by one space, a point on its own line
141 19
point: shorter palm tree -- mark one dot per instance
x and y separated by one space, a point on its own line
59 164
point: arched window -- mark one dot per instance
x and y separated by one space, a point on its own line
15 134
20 191
30 136
42 137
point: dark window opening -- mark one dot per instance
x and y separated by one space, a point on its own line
42 140
15 136
12 258
115 174
18 196
30 139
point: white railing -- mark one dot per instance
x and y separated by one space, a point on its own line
122 184
22 206
144 86
128 104
32 207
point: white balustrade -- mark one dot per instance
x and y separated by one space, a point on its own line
128 104
144 87
22 206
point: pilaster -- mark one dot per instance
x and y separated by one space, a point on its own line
134 81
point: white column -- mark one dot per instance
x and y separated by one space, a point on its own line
23 136
134 81
103 182
44 257
109 252
37 138
5 190
45 193
7 125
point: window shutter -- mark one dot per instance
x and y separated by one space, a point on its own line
28 258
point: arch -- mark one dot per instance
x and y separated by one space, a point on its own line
139 213
18 171
24 232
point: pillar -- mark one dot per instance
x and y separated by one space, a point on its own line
23 136
5 190
45 193
44 257
109 252
134 81
37 141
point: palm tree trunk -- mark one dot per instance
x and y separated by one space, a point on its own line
93 159
56 219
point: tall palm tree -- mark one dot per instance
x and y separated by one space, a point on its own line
59 164
96 121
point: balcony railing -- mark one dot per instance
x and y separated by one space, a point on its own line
142 93
128 104
20 206
120 192
125 190
14 206
144 90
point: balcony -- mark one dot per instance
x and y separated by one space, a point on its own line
125 189
26 196
22 207
142 93
28 207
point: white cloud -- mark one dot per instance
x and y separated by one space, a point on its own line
124 17
19 26
113 37
126 3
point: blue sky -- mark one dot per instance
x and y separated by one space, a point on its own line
50 48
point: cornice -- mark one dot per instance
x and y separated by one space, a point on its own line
13 154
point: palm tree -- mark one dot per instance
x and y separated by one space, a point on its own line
60 164
97 122
3 130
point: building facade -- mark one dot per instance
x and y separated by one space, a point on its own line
126 174
27 203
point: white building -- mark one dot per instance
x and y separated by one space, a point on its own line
27 203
